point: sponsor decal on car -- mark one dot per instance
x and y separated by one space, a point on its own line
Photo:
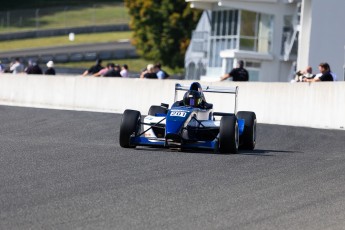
178 114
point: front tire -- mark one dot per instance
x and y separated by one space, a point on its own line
130 124
248 138
228 135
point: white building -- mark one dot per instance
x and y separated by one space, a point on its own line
273 37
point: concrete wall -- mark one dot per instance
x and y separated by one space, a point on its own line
319 105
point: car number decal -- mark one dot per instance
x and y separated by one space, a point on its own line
178 114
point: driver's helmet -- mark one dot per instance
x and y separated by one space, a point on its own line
197 87
192 98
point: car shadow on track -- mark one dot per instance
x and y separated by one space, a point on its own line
255 152
264 152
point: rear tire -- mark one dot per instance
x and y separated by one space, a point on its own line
228 135
248 137
154 109
130 124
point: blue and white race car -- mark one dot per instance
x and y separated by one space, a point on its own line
190 123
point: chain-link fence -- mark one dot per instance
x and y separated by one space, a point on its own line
63 17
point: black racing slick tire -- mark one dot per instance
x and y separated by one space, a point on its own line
130 124
154 109
228 135
248 137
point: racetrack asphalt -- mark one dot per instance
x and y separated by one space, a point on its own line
69 49
66 170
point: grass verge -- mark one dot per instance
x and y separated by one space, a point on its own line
63 17
63 40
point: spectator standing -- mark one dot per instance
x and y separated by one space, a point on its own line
102 71
124 71
149 72
50 70
238 74
95 68
33 68
114 71
17 66
306 73
331 72
325 71
161 74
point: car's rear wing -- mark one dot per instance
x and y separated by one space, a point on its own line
210 89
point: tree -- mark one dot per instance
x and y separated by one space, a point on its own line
162 29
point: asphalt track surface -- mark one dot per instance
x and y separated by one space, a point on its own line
66 170
92 47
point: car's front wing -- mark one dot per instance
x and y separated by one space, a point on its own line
160 142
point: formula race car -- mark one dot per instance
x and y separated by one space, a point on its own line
190 123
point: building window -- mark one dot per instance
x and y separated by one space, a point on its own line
199 43
224 34
288 38
254 33
253 68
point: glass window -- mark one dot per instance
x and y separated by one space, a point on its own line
230 23
225 22
248 44
254 75
219 22
256 32
265 33
248 23
234 22
253 68
223 34
213 22
287 35
251 64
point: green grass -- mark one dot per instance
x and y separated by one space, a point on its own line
63 40
105 14
63 17
22 4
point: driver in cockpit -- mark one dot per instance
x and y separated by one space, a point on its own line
194 97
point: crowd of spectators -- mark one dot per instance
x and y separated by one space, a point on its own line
110 70
307 75
32 67
154 72
17 67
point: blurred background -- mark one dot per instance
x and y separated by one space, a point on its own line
74 34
